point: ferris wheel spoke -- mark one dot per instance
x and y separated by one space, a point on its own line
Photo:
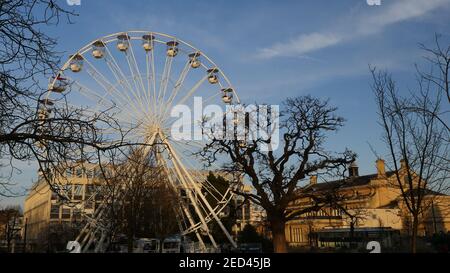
154 79
165 81
202 178
123 121
136 77
210 98
111 89
178 85
116 70
150 75
123 81
192 90
90 94
187 96
137 74
222 198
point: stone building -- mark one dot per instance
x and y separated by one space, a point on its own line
375 209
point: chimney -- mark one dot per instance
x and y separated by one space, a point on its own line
313 180
381 167
353 170
402 164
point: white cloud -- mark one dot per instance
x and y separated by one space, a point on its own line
365 24
302 44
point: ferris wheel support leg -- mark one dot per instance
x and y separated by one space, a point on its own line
99 246
199 192
183 205
197 210
191 198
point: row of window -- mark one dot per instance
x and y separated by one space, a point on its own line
78 192
83 172
61 212
328 212
296 234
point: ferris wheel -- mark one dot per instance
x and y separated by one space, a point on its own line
139 76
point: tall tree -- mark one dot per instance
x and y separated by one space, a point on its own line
276 175
417 141
145 202
10 224
32 127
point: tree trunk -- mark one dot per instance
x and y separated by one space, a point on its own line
415 228
130 242
279 236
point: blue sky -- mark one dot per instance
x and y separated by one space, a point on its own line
272 50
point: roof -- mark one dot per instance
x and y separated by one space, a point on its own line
366 229
426 192
346 183
360 181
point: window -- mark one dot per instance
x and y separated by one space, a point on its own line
79 172
89 189
76 215
67 191
89 205
77 192
296 234
99 195
90 173
54 212
97 172
65 213
69 172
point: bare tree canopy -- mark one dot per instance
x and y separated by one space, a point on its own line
439 59
276 175
10 225
145 203
416 135
32 127
27 56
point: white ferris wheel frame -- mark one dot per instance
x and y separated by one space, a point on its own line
184 175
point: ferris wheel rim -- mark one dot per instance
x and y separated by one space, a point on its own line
113 38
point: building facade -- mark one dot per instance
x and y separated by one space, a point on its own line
374 207
48 214
249 214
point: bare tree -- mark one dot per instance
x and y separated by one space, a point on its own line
439 58
145 205
32 127
10 221
276 176
53 237
417 140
